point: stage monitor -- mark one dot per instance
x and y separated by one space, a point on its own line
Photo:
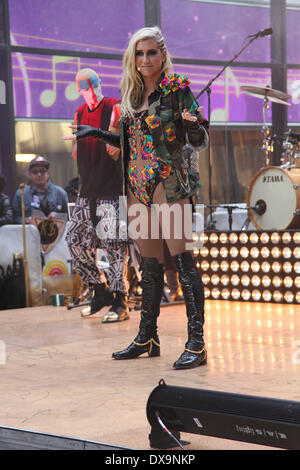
260 420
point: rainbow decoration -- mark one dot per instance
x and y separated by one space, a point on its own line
55 267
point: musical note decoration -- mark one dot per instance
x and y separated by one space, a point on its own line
48 97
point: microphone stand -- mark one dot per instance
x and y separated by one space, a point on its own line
207 89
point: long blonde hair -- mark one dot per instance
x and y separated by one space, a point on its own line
132 83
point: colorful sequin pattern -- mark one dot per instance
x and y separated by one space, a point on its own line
173 82
145 169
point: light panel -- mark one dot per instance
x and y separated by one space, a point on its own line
251 266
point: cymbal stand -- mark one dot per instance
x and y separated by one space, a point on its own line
267 145
207 89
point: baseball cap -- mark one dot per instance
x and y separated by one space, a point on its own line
39 161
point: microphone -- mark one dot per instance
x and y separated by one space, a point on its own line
262 33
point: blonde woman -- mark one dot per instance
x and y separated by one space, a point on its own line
159 115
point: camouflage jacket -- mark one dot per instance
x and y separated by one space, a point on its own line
171 96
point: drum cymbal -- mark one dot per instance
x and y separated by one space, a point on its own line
267 92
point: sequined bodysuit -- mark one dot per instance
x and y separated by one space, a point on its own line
145 169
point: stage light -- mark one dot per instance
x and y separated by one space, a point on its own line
277 296
255 281
272 258
296 252
256 295
214 252
245 266
245 280
286 252
289 296
286 237
254 252
276 267
224 252
246 294
244 252
235 294
225 294
213 238
243 238
264 238
275 238
297 282
288 281
287 267
206 293
267 296
225 280
204 265
215 293
204 251
214 265
255 266
265 252
276 252
215 279
296 237
234 266
265 267
233 238
276 281
223 238
203 238
297 267
235 280
224 265
266 281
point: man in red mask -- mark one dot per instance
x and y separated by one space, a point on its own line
96 208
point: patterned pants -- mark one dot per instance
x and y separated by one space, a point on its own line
83 241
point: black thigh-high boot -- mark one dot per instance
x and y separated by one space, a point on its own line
193 291
147 340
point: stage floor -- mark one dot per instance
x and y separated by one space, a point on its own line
57 375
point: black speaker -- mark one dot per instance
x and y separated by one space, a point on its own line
260 420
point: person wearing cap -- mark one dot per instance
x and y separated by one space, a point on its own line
40 194
96 210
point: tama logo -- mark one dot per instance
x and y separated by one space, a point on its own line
273 179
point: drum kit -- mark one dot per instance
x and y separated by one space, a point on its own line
273 199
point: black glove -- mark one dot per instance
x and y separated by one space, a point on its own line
195 132
89 131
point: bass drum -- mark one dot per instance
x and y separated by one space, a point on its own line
275 192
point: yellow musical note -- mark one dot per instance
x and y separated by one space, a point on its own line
48 97
222 114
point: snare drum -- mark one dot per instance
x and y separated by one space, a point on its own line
275 192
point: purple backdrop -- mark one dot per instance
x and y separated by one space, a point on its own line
214 31
44 85
83 25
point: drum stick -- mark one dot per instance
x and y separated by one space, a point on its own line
21 187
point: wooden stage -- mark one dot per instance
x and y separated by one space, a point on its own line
57 375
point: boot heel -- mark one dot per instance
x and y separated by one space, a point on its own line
154 350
